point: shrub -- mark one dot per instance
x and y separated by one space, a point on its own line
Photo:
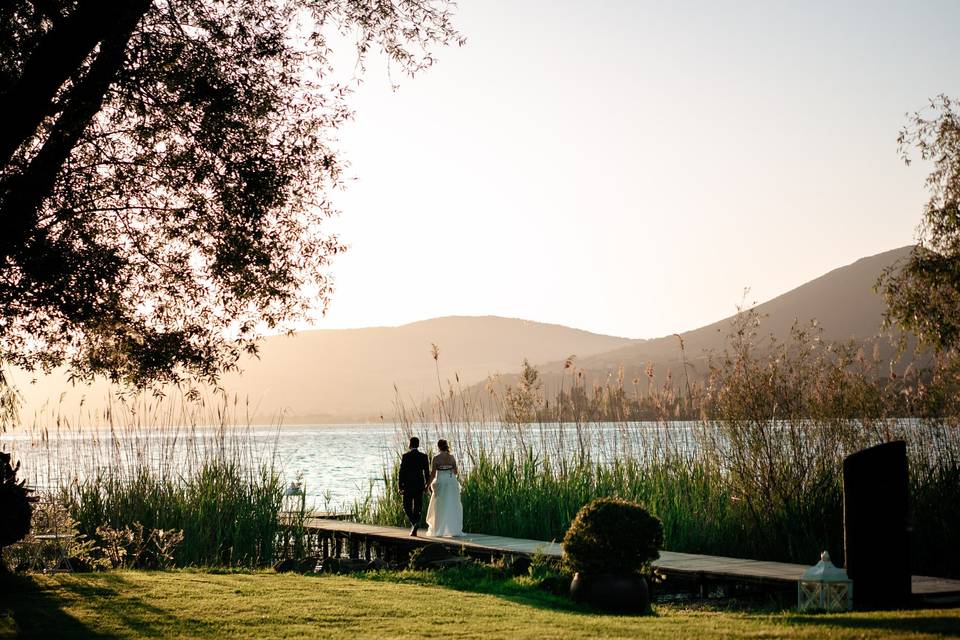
16 505
612 535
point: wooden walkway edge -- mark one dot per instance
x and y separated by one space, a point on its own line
684 566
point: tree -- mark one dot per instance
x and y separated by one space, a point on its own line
524 401
923 294
165 168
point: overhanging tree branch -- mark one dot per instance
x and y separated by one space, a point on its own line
57 58
25 192
164 169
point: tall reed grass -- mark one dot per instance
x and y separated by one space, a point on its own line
165 464
757 475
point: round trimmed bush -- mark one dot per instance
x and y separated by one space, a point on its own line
612 536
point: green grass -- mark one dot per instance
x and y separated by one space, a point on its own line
125 604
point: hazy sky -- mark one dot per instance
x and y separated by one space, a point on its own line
629 167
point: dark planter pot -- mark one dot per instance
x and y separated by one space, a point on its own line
610 592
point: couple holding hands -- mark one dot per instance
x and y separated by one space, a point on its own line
439 478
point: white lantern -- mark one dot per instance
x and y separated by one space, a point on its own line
824 587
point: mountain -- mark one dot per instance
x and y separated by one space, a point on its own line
350 374
345 375
842 301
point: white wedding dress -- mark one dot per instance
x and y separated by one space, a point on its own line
445 513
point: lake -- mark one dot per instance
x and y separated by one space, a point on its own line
337 464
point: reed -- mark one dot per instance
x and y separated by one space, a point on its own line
757 474
172 463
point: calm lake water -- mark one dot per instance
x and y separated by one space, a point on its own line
337 464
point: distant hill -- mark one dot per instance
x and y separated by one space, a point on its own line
349 375
842 301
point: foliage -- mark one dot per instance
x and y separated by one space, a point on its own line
151 470
523 401
640 398
388 507
612 535
923 294
507 494
543 567
781 416
136 548
756 476
224 516
164 171
52 537
9 401
16 504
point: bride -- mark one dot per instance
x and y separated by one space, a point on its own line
445 513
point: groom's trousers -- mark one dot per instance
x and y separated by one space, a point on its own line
413 505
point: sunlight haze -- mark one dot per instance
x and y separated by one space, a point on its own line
629 168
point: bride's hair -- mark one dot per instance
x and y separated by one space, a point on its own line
443 446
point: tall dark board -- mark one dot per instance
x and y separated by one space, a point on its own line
875 523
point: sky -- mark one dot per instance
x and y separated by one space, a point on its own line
630 168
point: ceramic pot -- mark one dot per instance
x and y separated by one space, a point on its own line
612 592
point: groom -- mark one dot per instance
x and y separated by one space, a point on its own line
412 480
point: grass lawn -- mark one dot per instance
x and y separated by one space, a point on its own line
408 604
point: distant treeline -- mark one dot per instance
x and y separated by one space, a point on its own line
804 376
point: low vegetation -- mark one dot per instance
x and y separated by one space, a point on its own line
757 475
160 483
16 505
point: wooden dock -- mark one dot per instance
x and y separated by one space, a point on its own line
689 568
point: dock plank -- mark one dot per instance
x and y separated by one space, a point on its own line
781 574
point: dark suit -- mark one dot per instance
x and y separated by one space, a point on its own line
412 480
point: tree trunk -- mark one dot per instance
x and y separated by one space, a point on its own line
58 57
25 192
